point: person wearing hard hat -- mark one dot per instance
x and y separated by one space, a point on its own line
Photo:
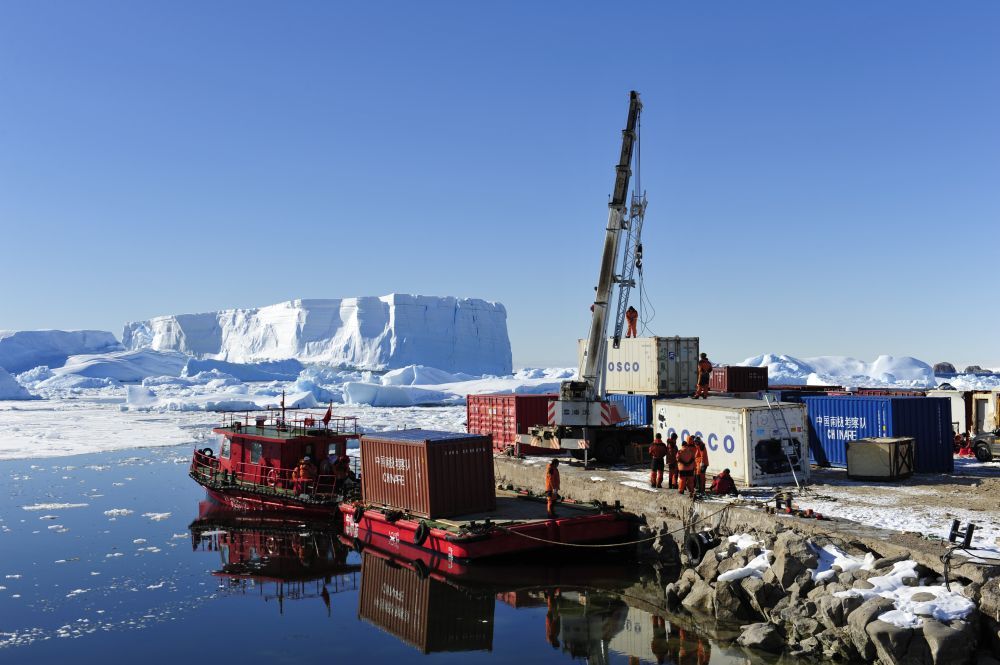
657 453
632 316
685 465
704 376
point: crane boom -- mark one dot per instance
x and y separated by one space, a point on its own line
592 367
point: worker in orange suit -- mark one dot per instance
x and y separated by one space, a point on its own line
685 466
632 316
672 461
700 464
659 645
704 376
553 624
551 487
657 453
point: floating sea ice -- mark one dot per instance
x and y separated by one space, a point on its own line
54 506
118 512
49 517
156 517
14 577
113 554
156 586
76 592
139 541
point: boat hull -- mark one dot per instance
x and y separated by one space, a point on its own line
250 502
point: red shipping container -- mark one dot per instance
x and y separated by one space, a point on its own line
427 473
736 379
505 416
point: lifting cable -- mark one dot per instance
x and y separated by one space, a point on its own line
686 527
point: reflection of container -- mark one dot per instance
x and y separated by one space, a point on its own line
737 379
430 615
639 407
741 435
880 459
833 421
505 416
650 365
428 473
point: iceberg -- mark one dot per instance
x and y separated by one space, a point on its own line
455 335
902 371
271 370
124 366
21 350
11 389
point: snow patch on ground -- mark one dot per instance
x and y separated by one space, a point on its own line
830 555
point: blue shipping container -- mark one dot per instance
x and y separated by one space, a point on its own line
639 407
835 420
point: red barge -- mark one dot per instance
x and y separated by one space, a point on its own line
258 465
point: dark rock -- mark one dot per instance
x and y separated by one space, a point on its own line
889 561
834 587
666 547
762 636
816 593
832 611
805 627
836 644
953 644
687 580
846 579
972 369
807 647
792 557
858 620
860 574
708 569
922 597
898 645
762 597
730 604
700 598
944 368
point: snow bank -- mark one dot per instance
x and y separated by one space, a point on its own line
388 332
420 375
845 371
375 394
271 370
22 350
124 366
830 555
11 389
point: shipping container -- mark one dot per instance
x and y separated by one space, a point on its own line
742 435
428 614
639 407
889 392
984 411
427 473
835 420
650 365
792 396
737 379
961 409
802 388
880 459
504 416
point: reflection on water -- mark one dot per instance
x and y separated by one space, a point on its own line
588 610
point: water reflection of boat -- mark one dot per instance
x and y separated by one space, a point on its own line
279 560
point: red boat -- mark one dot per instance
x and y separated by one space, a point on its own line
518 524
258 467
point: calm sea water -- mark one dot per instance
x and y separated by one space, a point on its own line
117 556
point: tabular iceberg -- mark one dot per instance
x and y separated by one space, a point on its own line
22 350
387 332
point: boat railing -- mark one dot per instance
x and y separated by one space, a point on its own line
292 422
265 478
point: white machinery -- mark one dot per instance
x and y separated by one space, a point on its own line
581 419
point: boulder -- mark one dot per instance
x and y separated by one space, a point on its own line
792 557
730 603
666 547
700 598
858 620
863 584
898 646
761 596
762 636
837 645
832 611
944 368
708 569
687 580
888 562
953 644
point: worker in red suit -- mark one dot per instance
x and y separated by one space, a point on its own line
672 461
632 316
723 484
551 487
657 453
685 465
700 464
704 375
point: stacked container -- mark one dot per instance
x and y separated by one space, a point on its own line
427 473
639 407
649 365
833 421
737 379
504 416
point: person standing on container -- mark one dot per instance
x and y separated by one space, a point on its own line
685 464
700 464
551 487
672 461
657 451
632 316
704 375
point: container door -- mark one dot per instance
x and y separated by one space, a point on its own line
678 360
982 410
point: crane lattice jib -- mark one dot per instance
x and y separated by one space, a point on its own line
631 259
593 360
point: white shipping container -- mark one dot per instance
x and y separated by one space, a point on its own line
958 399
742 435
650 365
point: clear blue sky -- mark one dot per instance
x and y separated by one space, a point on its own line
823 177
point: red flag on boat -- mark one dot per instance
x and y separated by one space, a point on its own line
329 414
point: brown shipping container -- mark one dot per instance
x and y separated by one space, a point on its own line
430 615
506 416
735 379
805 389
427 473
890 392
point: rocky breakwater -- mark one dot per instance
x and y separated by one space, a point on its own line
824 598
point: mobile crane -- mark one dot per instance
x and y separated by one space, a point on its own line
581 420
